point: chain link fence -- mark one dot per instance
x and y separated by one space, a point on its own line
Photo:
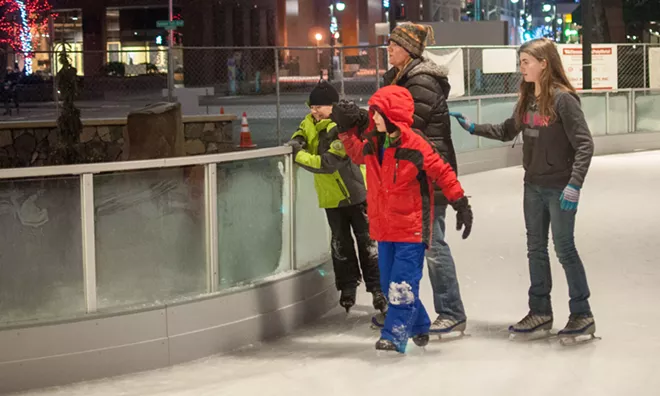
270 84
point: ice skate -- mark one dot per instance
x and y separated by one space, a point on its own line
385 346
421 340
580 328
531 327
378 320
347 298
444 326
379 301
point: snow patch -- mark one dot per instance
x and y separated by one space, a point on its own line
401 294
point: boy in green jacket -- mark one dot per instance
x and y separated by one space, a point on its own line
342 193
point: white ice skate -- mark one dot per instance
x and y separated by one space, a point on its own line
579 329
531 327
442 327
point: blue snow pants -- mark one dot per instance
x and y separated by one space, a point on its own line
401 266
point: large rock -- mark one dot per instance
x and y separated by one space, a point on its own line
155 132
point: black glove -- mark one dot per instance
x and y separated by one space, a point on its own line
464 216
346 115
363 121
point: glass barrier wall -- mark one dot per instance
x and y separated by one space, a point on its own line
41 271
312 233
149 232
253 220
647 114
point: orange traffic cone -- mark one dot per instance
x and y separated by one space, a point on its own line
222 110
246 136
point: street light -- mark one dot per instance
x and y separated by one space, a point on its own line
318 37
341 6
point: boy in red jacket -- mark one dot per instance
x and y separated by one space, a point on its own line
402 167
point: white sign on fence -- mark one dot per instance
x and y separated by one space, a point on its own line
604 69
500 60
453 60
654 67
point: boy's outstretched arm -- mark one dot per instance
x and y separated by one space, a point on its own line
442 174
353 145
350 120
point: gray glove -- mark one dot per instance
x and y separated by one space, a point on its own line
295 145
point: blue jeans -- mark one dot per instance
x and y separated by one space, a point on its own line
442 271
401 267
542 212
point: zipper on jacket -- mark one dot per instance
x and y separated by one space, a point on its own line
396 168
343 190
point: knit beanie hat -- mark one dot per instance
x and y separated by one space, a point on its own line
413 37
323 94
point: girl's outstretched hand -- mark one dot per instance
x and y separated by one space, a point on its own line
464 121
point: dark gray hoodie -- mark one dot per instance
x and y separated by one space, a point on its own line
555 154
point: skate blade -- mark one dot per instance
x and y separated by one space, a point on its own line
389 354
451 336
571 340
533 336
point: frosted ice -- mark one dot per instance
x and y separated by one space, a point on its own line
617 238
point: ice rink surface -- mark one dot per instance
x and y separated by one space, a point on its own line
617 238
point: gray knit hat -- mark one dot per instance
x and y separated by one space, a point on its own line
413 37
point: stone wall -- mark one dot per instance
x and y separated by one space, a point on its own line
25 144
208 135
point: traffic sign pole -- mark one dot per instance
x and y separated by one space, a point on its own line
170 58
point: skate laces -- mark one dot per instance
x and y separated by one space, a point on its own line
444 322
577 321
533 320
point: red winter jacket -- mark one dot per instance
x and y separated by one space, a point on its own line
400 191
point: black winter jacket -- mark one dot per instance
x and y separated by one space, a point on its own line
429 86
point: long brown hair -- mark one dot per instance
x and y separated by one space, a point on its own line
552 77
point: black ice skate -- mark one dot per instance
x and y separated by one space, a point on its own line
379 301
578 326
421 340
386 345
347 298
531 327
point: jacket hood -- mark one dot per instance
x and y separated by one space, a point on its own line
427 66
396 104
430 68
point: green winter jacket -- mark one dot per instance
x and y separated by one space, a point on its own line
338 181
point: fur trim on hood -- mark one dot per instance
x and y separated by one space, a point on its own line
429 67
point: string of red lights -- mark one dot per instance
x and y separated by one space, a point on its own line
16 27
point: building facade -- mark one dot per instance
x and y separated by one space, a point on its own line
108 32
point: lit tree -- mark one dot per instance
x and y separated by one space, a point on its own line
20 23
